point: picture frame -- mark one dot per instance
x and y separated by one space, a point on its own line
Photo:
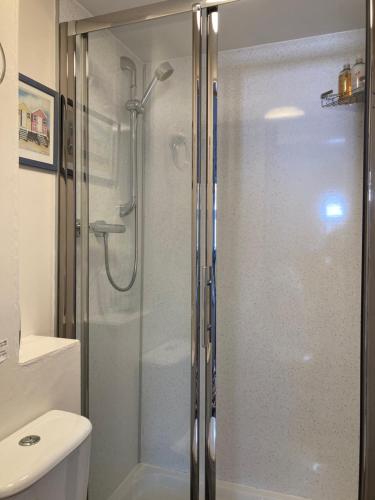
38 125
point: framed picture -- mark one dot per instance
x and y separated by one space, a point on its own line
38 118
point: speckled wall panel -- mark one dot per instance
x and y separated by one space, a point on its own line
166 290
289 270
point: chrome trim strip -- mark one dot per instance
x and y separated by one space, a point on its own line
61 239
211 204
195 255
139 14
85 223
367 454
66 190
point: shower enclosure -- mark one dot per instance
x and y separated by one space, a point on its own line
216 248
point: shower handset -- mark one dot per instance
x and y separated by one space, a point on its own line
135 107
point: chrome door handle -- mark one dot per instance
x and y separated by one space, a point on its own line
207 291
205 300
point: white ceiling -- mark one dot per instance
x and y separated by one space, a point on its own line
244 23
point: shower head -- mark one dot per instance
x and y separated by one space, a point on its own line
162 73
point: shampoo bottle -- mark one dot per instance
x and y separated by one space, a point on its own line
358 74
345 81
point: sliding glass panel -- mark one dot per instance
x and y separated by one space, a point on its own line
113 250
289 249
140 252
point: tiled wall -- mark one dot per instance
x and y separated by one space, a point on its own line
289 258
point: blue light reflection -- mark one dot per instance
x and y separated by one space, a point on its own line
333 209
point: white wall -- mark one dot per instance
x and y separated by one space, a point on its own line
54 382
288 393
70 10
37 250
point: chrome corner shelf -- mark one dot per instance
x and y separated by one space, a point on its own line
329 99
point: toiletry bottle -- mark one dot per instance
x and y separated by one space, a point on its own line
345 81
358 74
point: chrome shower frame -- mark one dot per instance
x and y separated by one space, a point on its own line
367 452
73 37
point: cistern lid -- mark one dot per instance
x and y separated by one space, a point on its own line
31 452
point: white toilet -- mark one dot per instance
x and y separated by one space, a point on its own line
48 459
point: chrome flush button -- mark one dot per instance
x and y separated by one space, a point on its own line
29 440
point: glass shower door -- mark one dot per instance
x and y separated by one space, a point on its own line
137 190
